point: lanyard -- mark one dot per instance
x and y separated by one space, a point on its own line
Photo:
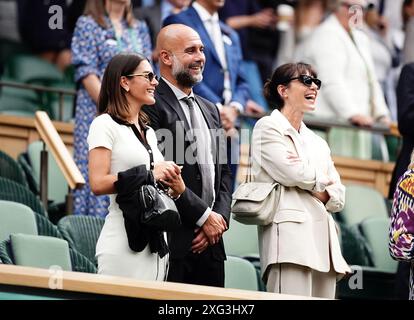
133 37
139 137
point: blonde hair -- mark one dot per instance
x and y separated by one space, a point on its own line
96 8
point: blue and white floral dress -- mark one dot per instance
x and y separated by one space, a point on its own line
92 48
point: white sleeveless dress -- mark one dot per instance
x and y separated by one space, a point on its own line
112 250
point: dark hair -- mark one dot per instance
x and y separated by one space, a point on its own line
112 98
282 76
96 8
405 15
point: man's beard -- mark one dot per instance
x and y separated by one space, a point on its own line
183 75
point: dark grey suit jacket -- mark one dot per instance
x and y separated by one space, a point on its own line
168 114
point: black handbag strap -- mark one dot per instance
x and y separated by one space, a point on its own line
141 138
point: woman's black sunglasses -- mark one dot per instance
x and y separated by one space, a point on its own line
149 76
307 80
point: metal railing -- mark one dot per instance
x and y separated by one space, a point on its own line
60 153
317 123
325 124
42 89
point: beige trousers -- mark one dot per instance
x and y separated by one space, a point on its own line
288 278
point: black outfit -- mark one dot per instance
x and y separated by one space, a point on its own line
405 108
75 10
206 268
258 45
138 234
33 22
152 16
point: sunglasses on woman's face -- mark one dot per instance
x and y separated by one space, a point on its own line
307 80
149 76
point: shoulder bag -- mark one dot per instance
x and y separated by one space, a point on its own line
255 202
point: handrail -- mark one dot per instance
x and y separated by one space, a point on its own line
66 281
59 151
310 120
36 87
325 124
39 88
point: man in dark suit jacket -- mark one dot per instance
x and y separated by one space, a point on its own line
197 251
405 108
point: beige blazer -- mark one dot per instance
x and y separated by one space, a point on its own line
303 231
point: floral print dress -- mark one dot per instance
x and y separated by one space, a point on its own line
92 48
401 233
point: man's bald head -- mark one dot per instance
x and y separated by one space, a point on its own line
172 36
181 55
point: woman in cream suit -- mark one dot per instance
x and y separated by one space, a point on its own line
342 55
299 251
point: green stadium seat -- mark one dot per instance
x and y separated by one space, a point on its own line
354 246
28 172
13 191
362 202
31 69
68 102
9 48
82 233
241 240
367 254
375 230
10 169
240 274
57 185
40 251
69 74
24 94
16 218
393 145
18 106
43 252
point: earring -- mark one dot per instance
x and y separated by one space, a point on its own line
126 89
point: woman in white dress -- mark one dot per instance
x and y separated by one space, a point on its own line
119 139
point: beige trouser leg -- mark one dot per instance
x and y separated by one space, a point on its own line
294 279
324 284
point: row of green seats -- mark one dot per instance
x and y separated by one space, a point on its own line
23 67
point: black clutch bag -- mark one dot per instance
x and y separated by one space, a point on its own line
159 210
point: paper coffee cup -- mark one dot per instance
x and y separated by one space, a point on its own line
285 15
